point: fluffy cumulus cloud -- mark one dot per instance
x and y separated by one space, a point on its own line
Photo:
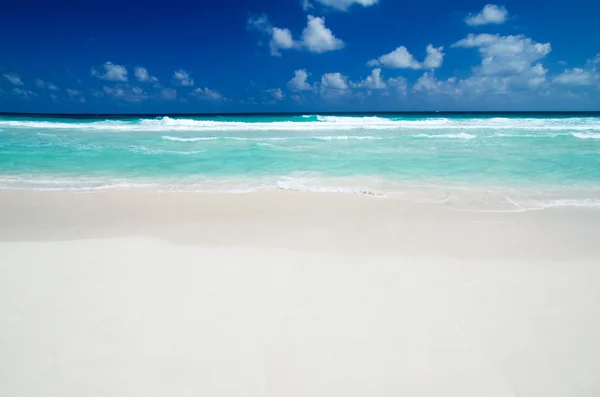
586 76
276 93
316 37
14 79
491 14
334 85
374 81
41 84
429 84
400 84
299 81
208 94
143 76
504 54
537 76
281 39
508 64
434 58
401 58
577 76
126 92
112 72
183 78
344 5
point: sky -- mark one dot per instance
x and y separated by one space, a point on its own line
298 56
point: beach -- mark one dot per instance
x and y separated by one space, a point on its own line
141 292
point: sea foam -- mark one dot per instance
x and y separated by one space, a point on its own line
323 123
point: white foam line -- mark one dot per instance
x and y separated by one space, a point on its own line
586 135
324 123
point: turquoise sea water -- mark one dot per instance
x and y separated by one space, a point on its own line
507 161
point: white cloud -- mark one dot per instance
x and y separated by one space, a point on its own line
168 94
401 58
298 82
586 76
434 58
276 93
125 92
23 93
281 39
114 91
306 5
112 72
374 81
399 83
344 5
334 85
538 76
428 83
509 64
14 79
317 38
577 76
183 78
143 76
45 85
207 93
490 14
505 54
334 81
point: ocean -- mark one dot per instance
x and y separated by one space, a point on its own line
507 162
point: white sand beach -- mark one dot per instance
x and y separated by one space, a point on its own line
138 293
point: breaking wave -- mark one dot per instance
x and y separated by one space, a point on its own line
322 123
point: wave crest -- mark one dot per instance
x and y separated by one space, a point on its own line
322 123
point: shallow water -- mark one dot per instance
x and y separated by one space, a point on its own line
510 162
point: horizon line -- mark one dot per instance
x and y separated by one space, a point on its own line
212 114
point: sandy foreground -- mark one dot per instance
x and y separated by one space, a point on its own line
293 294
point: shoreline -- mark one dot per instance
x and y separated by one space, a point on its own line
501 199
283 219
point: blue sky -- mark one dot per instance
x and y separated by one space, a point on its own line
298 55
